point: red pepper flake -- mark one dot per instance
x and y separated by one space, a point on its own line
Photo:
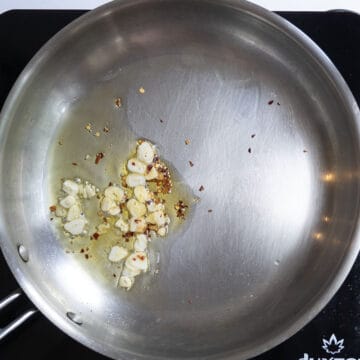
86 256
74 163
191 163
201 188
210 211
149 167
249 150
99 156
180 208
270 102
253 135
134 259
141 257
52 208
96 235
133 163
118 102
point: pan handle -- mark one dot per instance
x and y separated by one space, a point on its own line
20 319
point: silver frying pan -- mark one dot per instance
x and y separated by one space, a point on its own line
274 136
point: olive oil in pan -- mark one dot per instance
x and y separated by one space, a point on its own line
75 154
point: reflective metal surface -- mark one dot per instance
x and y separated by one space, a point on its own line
283 232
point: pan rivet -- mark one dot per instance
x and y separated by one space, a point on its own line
74 318
23 253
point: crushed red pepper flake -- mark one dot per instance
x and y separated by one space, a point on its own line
99 156
180 208
96 235
270 102
52 208
191 163
201 188
118 102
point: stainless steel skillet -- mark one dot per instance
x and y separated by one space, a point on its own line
283 231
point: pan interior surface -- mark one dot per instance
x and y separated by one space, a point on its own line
274 143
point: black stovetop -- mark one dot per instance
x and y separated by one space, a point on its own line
22 33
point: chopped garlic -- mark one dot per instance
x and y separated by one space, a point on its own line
117 253
137 225
145 152
89 191
75 227
114 211
115 193
140 243
130 271
133 180
157 217
60 211
122 225
103 228
155 207
137 261
68 201
162 231
70 187
73 213
136 208
136 166
142 194
107 204
126 282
